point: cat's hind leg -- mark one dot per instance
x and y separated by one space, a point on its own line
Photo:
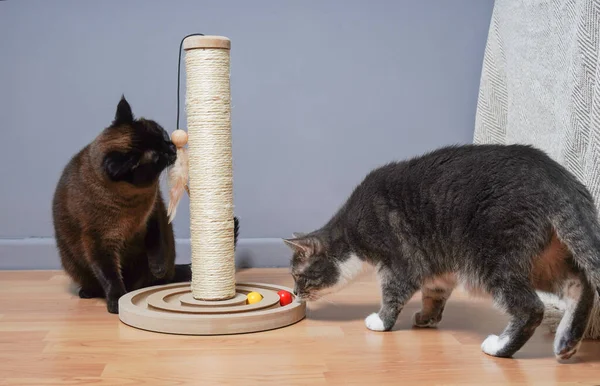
578 296
90 288
104 263
526 312
435 292
88 291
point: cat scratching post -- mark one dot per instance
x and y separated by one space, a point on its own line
213 303
208 110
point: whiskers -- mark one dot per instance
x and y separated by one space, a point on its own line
318 302
324 297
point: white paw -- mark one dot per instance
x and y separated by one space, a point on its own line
566 352
493 344
374 322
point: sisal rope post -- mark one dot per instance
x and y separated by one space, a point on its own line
208 109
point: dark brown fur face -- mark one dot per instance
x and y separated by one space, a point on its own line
110 220
135 151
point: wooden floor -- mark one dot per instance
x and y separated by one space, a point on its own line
48 336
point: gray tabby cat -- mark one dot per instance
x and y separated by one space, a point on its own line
505 220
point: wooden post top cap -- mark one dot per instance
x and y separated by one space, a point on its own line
208 41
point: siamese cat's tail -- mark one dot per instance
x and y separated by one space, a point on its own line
183 272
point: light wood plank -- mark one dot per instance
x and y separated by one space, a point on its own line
48 336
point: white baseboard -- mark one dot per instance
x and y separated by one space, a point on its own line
41 253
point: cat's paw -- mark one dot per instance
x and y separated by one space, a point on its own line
494 345
566 348
89 294
112 305
374 322
419 321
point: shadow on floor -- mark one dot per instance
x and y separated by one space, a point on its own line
458 315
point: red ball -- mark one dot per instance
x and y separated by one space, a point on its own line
285 297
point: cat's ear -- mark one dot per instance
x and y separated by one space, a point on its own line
124 114
298 234
305 246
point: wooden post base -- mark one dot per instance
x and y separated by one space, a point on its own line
172 309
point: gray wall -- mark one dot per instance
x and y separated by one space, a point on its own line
323 91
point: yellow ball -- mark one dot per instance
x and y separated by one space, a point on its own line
254 297
179 138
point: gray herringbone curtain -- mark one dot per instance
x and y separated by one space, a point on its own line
540 82
540 85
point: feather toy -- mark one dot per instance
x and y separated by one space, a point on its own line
178 173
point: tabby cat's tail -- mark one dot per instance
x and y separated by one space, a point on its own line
579 230
183 272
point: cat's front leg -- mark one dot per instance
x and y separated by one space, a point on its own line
155 248
104 262
396 290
